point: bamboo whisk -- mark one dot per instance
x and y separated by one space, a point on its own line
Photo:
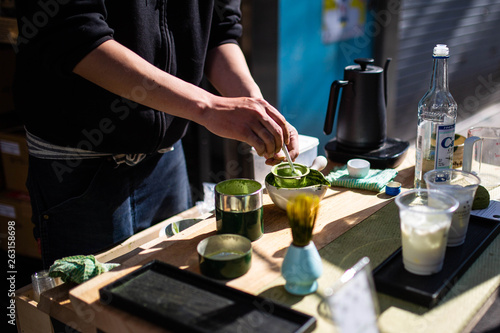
302 212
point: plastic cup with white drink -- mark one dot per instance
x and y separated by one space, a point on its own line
425 219
462 186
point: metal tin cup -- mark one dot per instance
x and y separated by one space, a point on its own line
238 208
225 256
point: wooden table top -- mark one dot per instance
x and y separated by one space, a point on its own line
340 210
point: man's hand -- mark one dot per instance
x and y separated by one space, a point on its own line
227 70
293 148
251 120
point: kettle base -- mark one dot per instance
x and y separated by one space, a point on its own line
390 155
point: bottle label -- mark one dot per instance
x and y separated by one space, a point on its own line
445 138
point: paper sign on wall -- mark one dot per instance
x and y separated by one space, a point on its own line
343 19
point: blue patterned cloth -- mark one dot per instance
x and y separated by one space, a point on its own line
374 181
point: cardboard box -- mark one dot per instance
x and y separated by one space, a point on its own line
15 211
7 120
7 67
14 153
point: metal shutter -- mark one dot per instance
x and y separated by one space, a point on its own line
471 29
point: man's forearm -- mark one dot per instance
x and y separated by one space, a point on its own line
227 70
121 71
114 67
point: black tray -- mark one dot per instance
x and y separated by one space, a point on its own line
390 155
391 277
182 301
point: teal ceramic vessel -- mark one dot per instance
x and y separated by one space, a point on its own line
301 268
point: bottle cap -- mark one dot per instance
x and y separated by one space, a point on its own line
441 50
393 188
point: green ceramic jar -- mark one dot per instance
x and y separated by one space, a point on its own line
225 256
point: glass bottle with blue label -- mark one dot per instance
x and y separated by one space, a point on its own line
437 115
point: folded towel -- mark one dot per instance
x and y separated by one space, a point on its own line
374 181
79 268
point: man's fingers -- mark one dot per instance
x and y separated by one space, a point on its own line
280 121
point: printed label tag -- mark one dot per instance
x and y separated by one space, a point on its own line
445 138
9 147
7 211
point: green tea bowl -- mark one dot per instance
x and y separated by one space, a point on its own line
225 256
284 175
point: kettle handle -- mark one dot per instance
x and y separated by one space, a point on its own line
386 67
331 110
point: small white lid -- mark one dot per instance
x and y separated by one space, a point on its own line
441 50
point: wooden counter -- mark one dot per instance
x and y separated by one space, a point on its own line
80 308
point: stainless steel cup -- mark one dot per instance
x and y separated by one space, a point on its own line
238 208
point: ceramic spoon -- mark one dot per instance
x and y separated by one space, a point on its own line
285 150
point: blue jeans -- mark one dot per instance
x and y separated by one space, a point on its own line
86 206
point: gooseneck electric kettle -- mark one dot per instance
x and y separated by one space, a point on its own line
361 117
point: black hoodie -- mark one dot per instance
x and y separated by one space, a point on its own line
65 109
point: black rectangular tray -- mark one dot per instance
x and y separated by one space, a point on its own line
391 278
182 301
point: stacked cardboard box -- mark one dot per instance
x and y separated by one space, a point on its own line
15 207
7 67
14 156
15 222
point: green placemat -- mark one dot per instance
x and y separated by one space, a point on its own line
374 181
377 237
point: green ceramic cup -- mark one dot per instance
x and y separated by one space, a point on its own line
225 256
284 178
239 209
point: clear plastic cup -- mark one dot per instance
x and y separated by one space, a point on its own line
41 281
425 219
462 186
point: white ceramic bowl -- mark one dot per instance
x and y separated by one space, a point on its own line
280 196
358 168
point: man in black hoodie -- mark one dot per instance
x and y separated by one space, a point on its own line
106 89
